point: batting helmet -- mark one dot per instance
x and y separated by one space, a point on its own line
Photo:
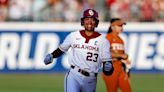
90 13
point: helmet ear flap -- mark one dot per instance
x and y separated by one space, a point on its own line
97 22
82 21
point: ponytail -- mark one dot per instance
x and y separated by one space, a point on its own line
109 30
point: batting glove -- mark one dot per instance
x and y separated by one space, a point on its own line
48 59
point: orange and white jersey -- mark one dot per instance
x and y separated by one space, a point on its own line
87 52
117 46
116 43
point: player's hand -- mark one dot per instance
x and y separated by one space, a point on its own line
127 63
48 59
108 68
124 56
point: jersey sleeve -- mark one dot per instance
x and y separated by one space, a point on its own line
66 43
105 51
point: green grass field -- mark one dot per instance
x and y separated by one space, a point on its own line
54 83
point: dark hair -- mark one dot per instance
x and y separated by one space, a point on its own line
111 21
114 19
109 30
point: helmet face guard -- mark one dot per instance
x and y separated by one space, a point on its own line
90 13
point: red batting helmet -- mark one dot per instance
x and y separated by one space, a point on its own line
90 13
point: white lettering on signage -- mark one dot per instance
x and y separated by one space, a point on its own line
131 47
159 58
145 50
23 52
24 62
15 51
46 43
9 50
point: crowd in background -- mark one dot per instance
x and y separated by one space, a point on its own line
71 10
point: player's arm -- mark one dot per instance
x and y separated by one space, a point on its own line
56 53
116 55
60 50
106 58
123 58
49 58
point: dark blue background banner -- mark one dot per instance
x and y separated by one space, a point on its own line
24 50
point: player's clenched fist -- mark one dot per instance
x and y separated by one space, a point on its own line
48 59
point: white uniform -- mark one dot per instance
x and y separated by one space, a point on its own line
87 53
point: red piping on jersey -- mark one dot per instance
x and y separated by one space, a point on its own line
95 34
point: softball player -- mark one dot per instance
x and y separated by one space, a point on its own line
89 50
119 78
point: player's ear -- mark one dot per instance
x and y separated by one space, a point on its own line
113 27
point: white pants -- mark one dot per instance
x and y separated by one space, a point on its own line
76 82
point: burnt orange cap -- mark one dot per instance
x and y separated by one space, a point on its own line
117 21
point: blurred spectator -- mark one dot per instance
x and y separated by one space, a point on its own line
134 10
159 10
120 9
146 11
125 10
52 11
73 10
109 3
89 4
69 10
37 6
20 10
4 2
3 10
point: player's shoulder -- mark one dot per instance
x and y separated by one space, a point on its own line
77 32
103 36
74 33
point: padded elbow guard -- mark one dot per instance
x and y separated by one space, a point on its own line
108 68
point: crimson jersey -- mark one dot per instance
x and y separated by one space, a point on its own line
87 52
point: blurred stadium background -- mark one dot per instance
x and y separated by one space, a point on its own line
70 10
29 29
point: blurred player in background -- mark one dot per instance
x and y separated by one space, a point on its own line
121 63
89 50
